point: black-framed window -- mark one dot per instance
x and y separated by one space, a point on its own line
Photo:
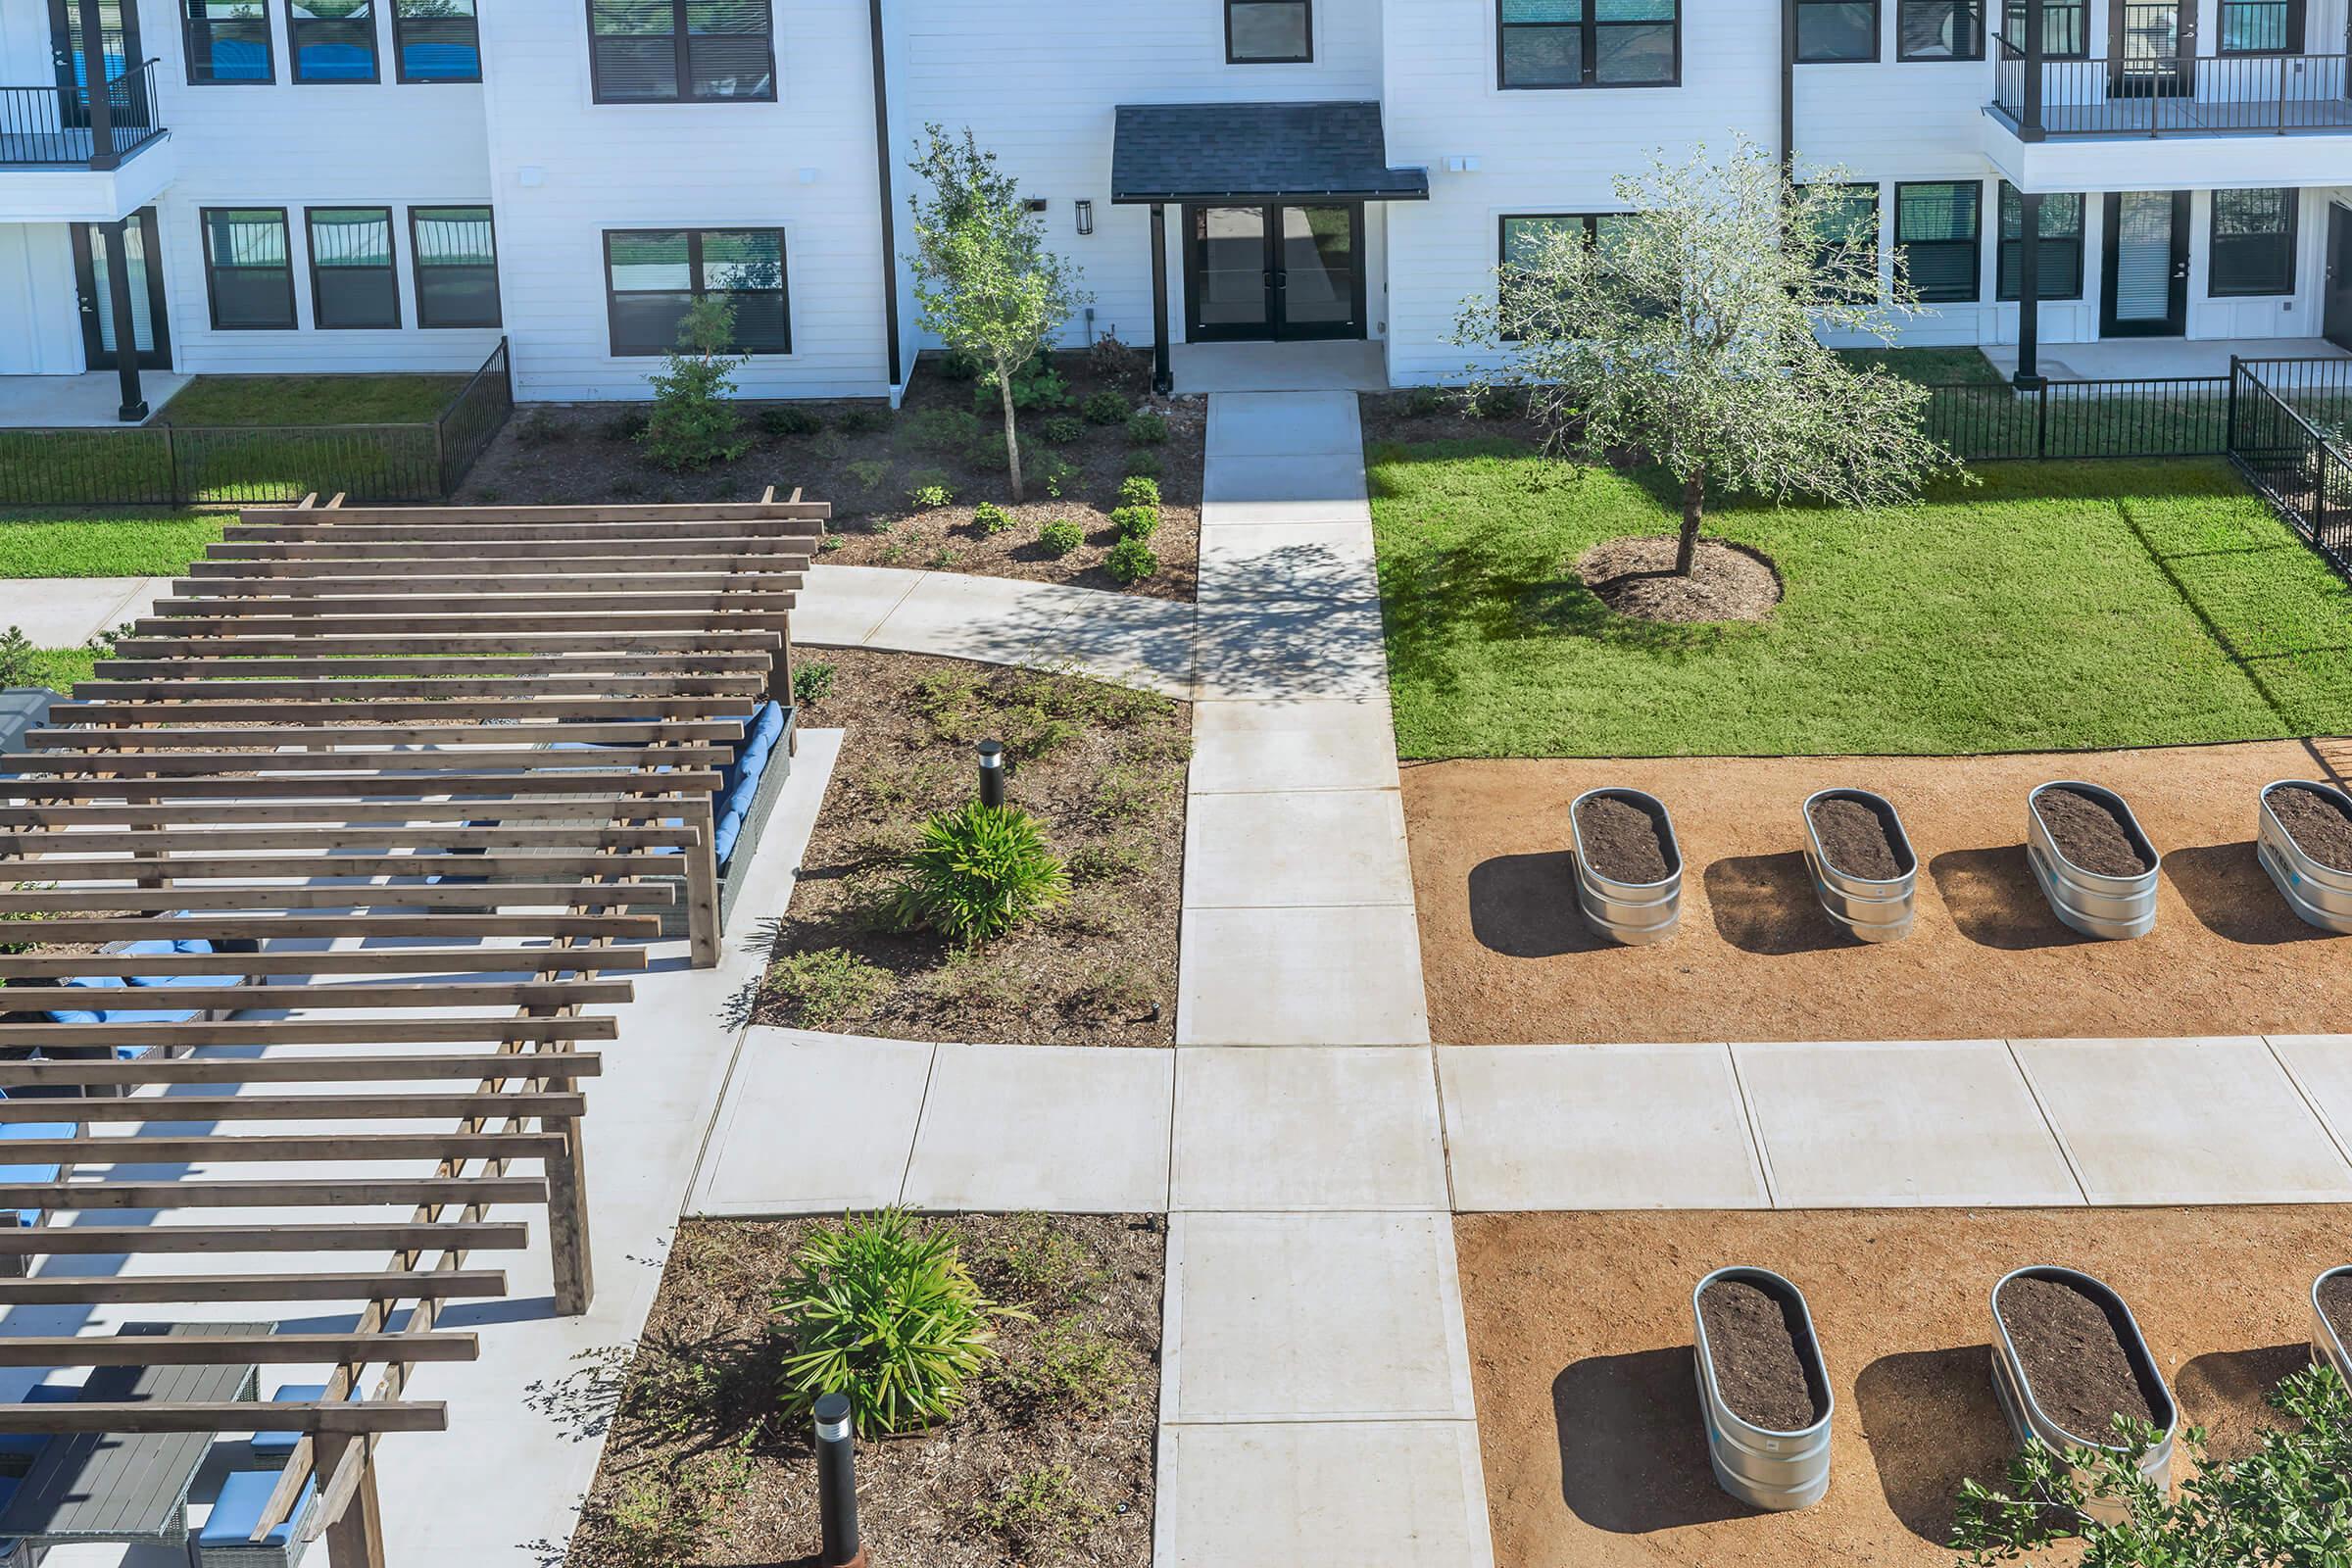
1837 31
669 51
654 275
353 282
1269 32
1939 29
436 40
1940 232
1850 231
226 41
332 40
248 269
2253 249
1521 234
2061 255
1588 43
2261 26
2065 27
454 253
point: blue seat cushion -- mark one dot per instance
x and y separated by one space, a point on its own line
279 1446
108 982
739 781
239 1509
12 1175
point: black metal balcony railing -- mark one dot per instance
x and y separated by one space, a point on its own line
56 126
2173 95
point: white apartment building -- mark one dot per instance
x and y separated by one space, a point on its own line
394 184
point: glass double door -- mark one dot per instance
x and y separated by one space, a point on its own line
150 330
1274 272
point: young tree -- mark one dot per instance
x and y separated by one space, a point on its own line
1683 334
986 281
2287 1504
694 420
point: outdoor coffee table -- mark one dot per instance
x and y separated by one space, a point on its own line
128 1486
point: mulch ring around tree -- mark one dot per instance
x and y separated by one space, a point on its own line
1635 576
1101 767
1048 1465
867 462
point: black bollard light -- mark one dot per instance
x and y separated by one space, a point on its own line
836 1484
991 772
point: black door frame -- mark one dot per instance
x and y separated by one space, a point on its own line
2335 305
2176 320
63 15
1278 327
2175 78
96 355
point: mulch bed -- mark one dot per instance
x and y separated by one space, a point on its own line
2078 1368
1102 767
865 461
1635 576
2088 833
1855 840
1621 840
701 1468
2317 824
1758 1369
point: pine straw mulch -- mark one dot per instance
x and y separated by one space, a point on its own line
1101 766
1049 1466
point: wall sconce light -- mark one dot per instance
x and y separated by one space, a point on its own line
1086 216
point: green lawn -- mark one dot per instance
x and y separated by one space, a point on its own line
282 400
1931 367
2054 605
132 543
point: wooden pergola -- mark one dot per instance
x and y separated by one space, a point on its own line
419 779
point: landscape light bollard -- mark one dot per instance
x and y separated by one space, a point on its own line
991 772
836 1484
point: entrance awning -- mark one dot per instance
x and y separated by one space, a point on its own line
1257 153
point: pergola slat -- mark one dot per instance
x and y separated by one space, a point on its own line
217 1349
239 1415
564 1065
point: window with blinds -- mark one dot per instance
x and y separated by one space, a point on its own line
332 40
436 40
2065 27
1588 43
1939 228
226 41
1848 233
2261 26
1939 29
352 283
248 267
1267 32
670 51
1831 31
2253 243
456 254
2061 256
654 275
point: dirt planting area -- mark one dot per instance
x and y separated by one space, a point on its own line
1581 1353
1508 959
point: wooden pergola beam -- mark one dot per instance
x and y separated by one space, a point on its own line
231 1349
110 1240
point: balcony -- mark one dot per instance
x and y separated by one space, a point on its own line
66 158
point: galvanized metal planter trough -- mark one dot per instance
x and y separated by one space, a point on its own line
1764 1469
2029 1420
1872 909
2321 895
2326 1343
2113 907
1631 912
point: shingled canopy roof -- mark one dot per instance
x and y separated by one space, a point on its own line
1257 153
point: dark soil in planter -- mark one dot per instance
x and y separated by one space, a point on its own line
2317 824
2335 1301
1620 840
2088 833
1855 840
1757 1367
1635 576
2077 1367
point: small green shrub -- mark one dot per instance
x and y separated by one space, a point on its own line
813 683
942 558
1060 536
1124 792
1146 428
1079 1367
1139 490
1035 385
825 985
830 543
1130 560
958 364
941 429
829 444
1115 362
626 425
979 871
785 420
695 421
651 1524
985 451
1106 408
882 1310
1427 402
1134 522
20 661
1047 1267
867 473
1054 471
1143 460
1112 860
992 517
865 418
1061 428
928 488
1042 1511
1120 988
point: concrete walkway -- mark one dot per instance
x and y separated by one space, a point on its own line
68 612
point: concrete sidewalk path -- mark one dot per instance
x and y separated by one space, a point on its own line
68 612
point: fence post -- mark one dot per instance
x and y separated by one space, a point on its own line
178 497
441 454
2042 421
2230 418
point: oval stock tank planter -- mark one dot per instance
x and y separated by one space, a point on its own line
2331 1306
1776 1458
2016 1348
1629 870
2312 872
1845 828
2069 821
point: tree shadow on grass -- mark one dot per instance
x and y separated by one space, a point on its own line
1524 907
2232 897
1995 902
1765 904
1633 1450
1932 1422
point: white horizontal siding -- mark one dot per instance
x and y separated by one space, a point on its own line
40 322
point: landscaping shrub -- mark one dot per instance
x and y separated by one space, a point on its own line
694 422
1139 490
19 660
626 425
941 429
1060 536
825 985
928 488
829 444
1049 1267
1042 1511
1131 561
867 473
1061 428
883 1311
992 517
813 683
1425 402
1134 522
1106 408
1115 362
1035 385
979 871
785 420
1143 460
865 418
1146 428
958 364
986 453
1052 470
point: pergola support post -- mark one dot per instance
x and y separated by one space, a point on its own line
354 1538
568 1222
1163 380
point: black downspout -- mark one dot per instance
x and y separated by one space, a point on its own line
1788 87
1163 380
889 233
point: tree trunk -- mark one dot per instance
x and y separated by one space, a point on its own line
1694 506
1013 440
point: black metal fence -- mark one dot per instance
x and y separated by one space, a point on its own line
2296 461
2167 416
177 466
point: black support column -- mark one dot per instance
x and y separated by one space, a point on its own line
2029 376
127 338
2036 47
1163 380
101 97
